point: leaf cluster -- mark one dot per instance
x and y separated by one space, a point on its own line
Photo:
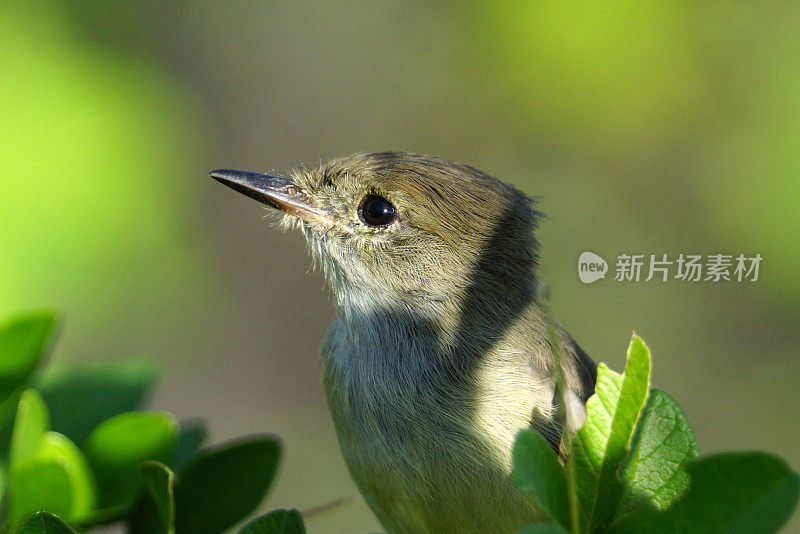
635 467
77 451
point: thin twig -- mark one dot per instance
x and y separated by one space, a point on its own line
316 510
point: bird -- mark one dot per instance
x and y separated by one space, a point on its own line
441 350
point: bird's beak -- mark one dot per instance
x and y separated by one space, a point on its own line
274 191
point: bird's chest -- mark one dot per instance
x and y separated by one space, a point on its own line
390 407
406 431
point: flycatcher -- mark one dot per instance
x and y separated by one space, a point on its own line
439 353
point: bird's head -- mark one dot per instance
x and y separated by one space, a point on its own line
399 229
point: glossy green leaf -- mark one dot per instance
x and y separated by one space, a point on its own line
276 522
602 443
44 523
118 446
23 341
191 437
39 485
158 480
729 493
30 425
81 396
154 512
223 484
536 469
56 478
662 444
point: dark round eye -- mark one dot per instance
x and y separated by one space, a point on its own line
377 211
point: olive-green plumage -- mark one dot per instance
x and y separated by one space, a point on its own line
439 352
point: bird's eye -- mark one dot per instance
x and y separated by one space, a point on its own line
377 211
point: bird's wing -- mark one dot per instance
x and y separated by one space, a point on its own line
580 374
586 371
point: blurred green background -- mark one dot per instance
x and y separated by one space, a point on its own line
648 127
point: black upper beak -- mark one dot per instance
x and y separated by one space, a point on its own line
262 187
280 193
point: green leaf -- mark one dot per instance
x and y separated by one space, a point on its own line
30 425
536 469
544 528
730 493
39 485
155 509
119 445
276 522
81 396
2 484
222 485
602 443
44 523
157 479
662 444
56 478
23 340
190 439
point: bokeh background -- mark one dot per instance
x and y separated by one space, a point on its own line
648 127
